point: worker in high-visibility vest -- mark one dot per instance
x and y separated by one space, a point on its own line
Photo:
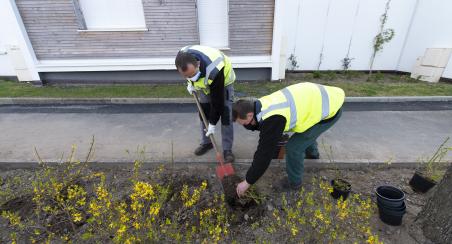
307 109
209 71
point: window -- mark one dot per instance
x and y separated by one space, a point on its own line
104 15
214 23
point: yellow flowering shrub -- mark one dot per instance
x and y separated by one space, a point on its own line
191 198
72 203
314 216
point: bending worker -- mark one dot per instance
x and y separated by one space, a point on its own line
307 109
209 71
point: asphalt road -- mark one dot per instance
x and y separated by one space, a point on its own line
399 132
191 108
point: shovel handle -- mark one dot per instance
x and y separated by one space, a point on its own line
206 124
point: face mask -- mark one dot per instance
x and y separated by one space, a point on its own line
196 76
251 126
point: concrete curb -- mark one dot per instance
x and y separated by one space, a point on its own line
400 99
91 101
118 101
309 164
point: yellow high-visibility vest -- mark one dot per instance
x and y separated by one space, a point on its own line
303 105
213 61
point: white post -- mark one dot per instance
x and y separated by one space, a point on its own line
278 44
17 44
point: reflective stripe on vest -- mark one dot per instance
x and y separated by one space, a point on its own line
211 67
293 109
290 103
325 102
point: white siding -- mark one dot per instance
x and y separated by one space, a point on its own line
431 28
8 36
328 25
113 14
13 36
312 27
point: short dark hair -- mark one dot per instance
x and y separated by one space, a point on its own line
241 108
183 59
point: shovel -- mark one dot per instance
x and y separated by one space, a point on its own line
222 169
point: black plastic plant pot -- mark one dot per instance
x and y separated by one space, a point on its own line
390 196
391 216
341 188
419 183
395 209
392 206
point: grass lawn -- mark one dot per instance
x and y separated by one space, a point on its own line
353 83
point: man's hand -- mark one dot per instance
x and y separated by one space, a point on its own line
210 130
242 187
190 88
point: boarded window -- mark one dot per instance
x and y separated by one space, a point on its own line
213 23
113 14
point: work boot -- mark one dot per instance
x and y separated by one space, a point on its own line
286 185
228 156
203 148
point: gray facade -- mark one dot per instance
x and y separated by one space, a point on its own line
53 30
251 27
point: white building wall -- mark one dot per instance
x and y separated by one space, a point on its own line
310 28
6 68
448 71
331 25
6 37
20 59
431 28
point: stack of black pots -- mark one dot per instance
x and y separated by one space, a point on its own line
391 204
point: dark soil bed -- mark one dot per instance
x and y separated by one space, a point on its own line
16 196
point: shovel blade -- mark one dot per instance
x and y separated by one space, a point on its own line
225 170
